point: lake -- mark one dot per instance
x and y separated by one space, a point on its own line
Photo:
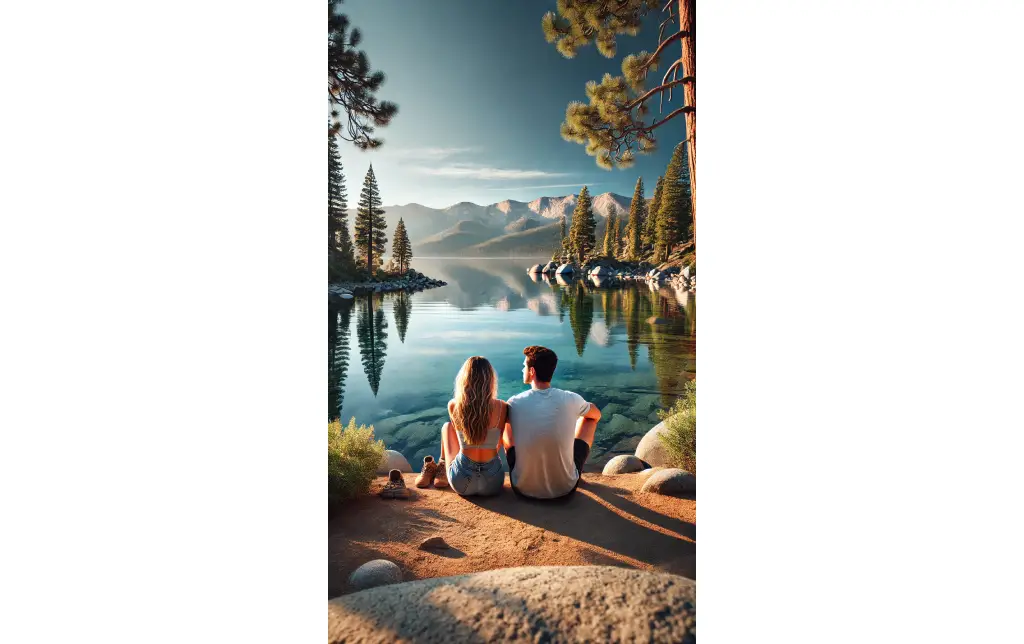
392 358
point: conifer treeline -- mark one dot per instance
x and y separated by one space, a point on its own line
352 255
651 231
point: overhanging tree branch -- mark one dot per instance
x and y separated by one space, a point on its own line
665 43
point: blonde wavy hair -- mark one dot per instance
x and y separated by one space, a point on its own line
475 387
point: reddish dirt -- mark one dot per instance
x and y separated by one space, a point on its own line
607 522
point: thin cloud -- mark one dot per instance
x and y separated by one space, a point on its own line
486 173
430 154
550 185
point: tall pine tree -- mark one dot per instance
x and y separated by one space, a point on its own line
607 244
372 329
649 235
340 261
371 229
637 217
401 248
674 217
616 233
582 232
402 311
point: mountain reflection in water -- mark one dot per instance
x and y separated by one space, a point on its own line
626 347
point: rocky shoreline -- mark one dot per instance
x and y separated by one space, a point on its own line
412 282
608 272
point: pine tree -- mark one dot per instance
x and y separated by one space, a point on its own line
340 261
607 244
649 235
401 249
581 234
637 217
613 125
402 311
371 229
581 314
616 241
561 234
674 210
351 86
372 329
337 356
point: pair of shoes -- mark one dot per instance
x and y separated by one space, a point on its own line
433 473
395 487
426 477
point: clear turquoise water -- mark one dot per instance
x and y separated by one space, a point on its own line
392 359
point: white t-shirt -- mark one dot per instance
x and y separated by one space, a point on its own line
543 428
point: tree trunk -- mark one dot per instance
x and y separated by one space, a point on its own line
688 22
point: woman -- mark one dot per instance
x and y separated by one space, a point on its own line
470 441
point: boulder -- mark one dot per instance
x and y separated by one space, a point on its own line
550 267
623 464
565 269
673 481
379 572
670 270
394 461
601 271
651 448
537 268
528 604
689 271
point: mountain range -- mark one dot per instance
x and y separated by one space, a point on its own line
500 229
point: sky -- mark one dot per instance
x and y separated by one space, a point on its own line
481 97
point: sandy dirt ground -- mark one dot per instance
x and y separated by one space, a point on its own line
607 522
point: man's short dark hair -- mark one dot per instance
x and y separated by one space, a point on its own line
543 360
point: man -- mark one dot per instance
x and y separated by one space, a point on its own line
549 431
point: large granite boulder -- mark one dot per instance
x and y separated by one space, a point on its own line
623 464
550 267
379 572
529 604
601 271
394 461
651 449
672 481
565 269
536 268
689 271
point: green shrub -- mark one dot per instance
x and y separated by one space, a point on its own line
680 437
353 457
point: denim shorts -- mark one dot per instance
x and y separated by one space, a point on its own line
469 478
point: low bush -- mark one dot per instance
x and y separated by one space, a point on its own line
680 437
353 457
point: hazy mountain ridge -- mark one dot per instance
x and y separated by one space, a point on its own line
528 226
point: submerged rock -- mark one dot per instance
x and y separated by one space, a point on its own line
536 268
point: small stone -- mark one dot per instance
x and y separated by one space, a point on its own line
671 481
378 572
623 464
434 543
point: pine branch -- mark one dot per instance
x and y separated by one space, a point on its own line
665 43
659 88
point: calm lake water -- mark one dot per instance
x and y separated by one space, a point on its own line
392 358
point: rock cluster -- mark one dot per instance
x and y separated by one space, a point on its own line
609 271
412 281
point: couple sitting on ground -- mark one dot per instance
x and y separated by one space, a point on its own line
546 432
